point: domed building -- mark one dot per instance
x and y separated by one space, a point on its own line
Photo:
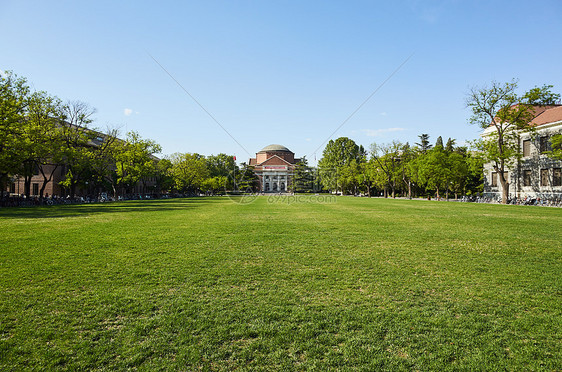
274 166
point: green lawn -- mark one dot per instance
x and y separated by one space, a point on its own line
205 283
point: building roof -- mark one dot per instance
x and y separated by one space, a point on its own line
275 148
551 114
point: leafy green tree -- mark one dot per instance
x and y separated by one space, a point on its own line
352 177
189 171
335 156
388 159
135 161
450 146
424 145
43 139
14 93
507 115
556 145
541 96
222 167
77 142
433 169
103 158
164 179
458 174
475 178
246 180
407 158
439 142
303 177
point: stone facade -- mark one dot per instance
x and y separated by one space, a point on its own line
536 175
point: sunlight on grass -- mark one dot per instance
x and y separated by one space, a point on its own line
207 283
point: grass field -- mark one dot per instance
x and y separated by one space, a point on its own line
205 283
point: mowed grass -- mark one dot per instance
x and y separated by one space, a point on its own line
355 284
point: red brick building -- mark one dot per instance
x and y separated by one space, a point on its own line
274 165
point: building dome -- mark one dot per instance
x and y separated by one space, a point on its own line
275 148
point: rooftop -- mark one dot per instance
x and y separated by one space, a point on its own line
275 148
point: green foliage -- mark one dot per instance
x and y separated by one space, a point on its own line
246 180
424 144
505 115
14 93
556 145
135 160
336 155
304 177
541 96
189 171
222 168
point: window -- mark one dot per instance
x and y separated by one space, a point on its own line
527 147
13 188
526 177
557 177
544 177
35 189
495 178
544 144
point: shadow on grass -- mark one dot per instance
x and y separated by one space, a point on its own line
76 210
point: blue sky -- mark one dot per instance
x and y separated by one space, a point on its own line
287 72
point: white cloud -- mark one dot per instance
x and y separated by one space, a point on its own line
380 132
128 112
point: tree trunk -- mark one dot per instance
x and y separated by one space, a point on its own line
27 186
409 190
45 181
505 190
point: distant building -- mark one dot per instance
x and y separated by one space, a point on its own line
274 165
53 188
536 175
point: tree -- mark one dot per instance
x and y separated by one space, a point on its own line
77 140
388 159
505 114
458 173
247 181
43 139
352 177
424 145
135 161
164 179
189 171
303 177
14 93
439 142
337 154
434 170
542 96
450 146
103 159
556 145
407 157
222 168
